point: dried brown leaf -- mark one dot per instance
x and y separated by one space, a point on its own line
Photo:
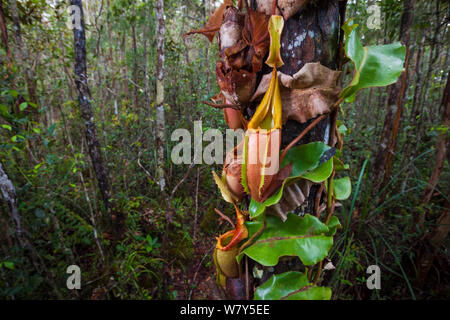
294 195
214 22
305 95
287 8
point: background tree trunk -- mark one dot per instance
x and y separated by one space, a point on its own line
383 159
441 147
21 53
135 64
84 97
8 192
160 116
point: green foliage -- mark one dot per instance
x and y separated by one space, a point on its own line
305 237
291 285
342 188
375 66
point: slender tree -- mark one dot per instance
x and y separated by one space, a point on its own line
383 159
442 147
160 115
8 193
84 99
21 53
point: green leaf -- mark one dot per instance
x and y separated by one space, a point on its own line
7 127
23 106
339 165
321 173
305 237
305 157
306 163
9 264
333 225
291 285
342 188
375 66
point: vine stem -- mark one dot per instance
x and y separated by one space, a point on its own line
301 135
330 210
274 7
250 241
222 105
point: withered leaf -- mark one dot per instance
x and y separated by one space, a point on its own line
214 22
305 95
294 195
256 35
285 7
237 85
231 29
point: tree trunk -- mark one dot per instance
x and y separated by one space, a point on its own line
441 147
419 74
8 192
125 67
383 159
84 97
135 65
5 39
319 22
160 116
21 53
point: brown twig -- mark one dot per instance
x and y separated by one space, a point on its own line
222 105
301 135
182 180
247 289
274 7
224 217
317 200
319 271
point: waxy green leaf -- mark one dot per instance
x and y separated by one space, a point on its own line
342 188
305 237
375 66
291 285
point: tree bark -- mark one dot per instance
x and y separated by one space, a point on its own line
441 147
125 67
160 114
5 39
383 159
8 192
21 53
84 99
135 65
318 24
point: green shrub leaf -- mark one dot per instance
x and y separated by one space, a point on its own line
292 285
342 188
305 237
375 66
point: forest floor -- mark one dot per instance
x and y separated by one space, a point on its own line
198 281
